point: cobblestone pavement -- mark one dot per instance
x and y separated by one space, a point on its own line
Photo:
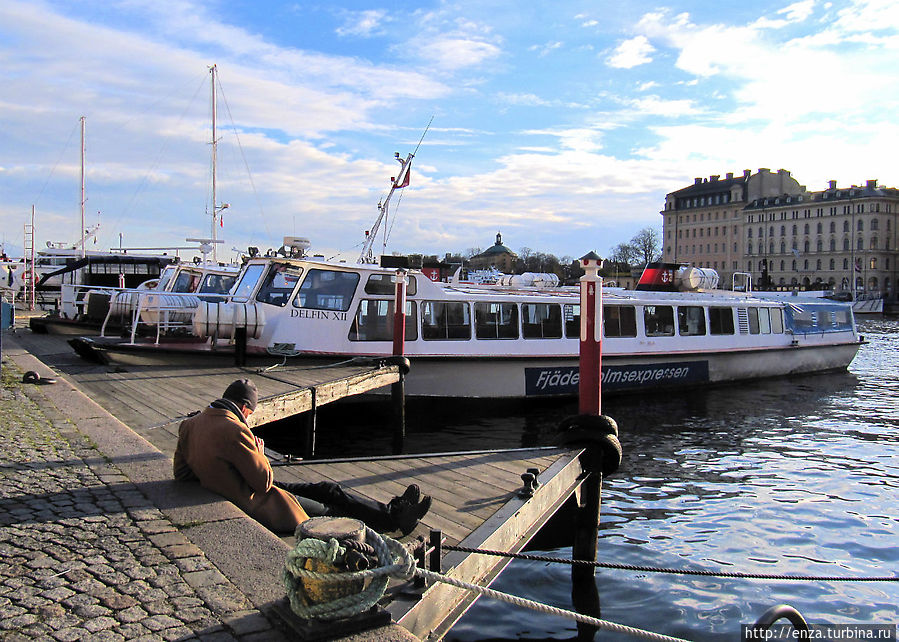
84 555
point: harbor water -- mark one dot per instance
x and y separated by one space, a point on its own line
796 476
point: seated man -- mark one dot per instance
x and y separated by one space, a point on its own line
217 448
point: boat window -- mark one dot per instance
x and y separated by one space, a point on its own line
278 283
572 314
327 290
383 284
248 281
541 321
186 282
690 321
753 314
619 320
658 320
442 320
777 320
764 321
165 277
374 321
217 284
721 321
496 320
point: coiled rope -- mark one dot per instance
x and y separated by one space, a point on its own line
397 562
675 571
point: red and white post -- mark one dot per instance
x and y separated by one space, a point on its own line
398 389
399 314
590 381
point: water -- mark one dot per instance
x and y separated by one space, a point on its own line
795 476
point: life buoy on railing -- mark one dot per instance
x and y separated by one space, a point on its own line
220 318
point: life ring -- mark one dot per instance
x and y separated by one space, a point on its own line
31 377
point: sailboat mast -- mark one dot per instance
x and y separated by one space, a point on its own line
82 186
214 158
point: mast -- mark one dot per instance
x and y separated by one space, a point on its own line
216 208
82 186
214 158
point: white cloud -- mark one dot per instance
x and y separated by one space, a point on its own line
362 23
545 49
631 53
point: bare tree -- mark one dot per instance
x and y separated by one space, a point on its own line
624 254
647 245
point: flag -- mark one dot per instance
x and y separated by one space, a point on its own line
406 178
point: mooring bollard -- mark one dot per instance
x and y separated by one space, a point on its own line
344 530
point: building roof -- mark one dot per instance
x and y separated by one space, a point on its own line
497 248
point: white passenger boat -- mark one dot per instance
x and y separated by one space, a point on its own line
85 308
467 340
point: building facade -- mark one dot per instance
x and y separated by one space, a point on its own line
497 256
769 226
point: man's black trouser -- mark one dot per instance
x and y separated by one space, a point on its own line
329 499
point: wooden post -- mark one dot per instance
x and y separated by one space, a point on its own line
311 420
590 377
398 390
240 347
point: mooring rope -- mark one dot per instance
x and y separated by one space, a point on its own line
396 561
675 571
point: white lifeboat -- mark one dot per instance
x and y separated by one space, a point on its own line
220 318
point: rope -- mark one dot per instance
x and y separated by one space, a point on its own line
676 571
387 551
545 608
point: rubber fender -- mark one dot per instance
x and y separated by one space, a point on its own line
611 454
31 377
581 430
403 362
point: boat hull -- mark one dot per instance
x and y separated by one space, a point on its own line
517 377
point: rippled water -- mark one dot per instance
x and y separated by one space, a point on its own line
794 476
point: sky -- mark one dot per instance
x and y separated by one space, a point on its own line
561 124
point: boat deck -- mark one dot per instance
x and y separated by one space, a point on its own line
476 500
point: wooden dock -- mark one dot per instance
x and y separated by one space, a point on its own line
476 500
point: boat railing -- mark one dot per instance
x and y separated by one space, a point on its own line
169 312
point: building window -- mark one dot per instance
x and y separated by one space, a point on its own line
873 243
860 244
832 264
833 227
846 244
845 264
833 245
861 225
845 226
874 225
794 265
818 265
819 228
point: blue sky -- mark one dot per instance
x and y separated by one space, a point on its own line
560 124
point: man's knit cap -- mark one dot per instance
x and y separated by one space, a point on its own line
242 392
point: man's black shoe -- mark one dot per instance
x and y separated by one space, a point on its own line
406 515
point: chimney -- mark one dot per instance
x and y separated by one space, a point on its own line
729 175
832 184
746 173
714 177
697 181
871 184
